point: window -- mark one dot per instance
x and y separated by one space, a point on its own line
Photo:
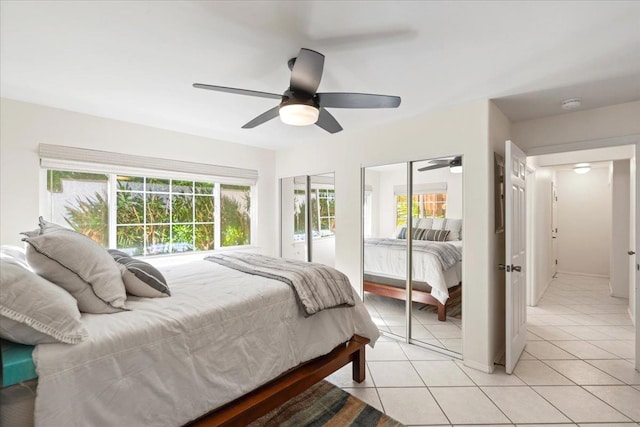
323 212
144 215
429 205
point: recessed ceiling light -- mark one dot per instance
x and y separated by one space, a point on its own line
571 104
582 168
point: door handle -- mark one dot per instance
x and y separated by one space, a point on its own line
553 237
631 253
510 268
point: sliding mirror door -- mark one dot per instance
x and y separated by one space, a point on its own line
384 249
307 215
293 218
323 218
429 193
436 209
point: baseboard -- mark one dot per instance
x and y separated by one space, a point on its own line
487 369
574 273
539 296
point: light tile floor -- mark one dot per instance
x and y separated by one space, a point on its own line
577 369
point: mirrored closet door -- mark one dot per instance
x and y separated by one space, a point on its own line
384 257
307 223
412 286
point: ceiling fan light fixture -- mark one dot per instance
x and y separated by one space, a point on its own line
455 169
299 114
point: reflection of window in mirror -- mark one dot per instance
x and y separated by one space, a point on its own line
425 205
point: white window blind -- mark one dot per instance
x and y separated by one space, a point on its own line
427 188
82 159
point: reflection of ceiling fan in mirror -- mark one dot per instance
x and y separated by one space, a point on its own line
301 105
454 164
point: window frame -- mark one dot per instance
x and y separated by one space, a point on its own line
112 174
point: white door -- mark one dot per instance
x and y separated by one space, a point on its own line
554 229
515 269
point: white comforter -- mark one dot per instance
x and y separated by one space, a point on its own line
169 360
386 262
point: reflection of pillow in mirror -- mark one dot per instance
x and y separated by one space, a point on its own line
455 226
425 223
438 223
437 235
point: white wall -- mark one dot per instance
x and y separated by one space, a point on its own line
539 232
620 219
599 123
24 126
584 221
461 130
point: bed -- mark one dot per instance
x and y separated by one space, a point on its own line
225 341
436 271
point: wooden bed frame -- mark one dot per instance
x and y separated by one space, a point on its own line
416 295
257 403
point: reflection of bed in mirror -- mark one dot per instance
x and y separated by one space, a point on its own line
436 270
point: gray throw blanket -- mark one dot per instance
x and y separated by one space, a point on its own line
447 254
317 287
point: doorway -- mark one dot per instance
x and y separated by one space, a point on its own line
582 281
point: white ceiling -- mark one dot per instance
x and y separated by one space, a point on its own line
135 61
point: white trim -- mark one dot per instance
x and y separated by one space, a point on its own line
61 157
584 145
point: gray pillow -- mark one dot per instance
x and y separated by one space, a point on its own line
79 265
436 235
140 278
34 310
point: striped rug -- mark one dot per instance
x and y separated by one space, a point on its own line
325 405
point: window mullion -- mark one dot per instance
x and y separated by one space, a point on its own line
216 217
113 211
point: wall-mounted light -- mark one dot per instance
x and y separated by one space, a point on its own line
582 168
455 169
299 114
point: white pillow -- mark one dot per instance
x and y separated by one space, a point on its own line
79 265
455 226
426 223
16 253
34 310
438 224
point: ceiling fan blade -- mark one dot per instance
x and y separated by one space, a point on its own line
307 71
357 100
238 91
262 118
432 167
327 122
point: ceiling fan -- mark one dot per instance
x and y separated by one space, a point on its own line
454 164
300 104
